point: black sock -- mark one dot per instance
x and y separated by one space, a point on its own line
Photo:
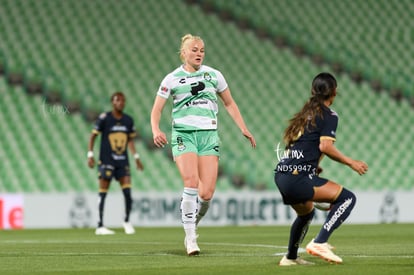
128 202
298 232
341 208
101 206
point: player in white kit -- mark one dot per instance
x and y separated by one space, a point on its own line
195 142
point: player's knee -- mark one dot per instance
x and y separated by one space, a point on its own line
205 196
190 181
126 185
307 217
346 196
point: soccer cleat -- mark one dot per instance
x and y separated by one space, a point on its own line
103 231
129 229
331 247
190 244
323 250
298 261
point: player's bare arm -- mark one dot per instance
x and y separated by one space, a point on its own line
328 148
235 114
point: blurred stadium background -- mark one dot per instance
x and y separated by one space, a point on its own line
61 60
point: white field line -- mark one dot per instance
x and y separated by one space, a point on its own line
276 247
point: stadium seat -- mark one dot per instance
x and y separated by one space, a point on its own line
121 46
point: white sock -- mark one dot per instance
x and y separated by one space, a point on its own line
189 210
202 209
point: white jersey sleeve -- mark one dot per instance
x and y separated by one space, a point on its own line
221 82
165 87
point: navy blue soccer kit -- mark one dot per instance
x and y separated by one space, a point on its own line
296 172
113 154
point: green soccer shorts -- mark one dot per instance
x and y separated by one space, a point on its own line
201 142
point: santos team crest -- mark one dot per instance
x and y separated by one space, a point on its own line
207 76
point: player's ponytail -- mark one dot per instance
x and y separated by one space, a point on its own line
323 88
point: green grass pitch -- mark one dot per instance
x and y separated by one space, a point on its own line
365 249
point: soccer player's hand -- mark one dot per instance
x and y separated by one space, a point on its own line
359 166
250 137
160 139
319 170
140 166
91 162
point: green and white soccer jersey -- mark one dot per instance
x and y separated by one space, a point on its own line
194 97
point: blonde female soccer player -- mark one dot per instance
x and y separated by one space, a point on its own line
195 143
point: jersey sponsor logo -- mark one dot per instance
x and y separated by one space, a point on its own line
119 128
197 87
118 157
181 81
164 89
196 102
194 75
338 213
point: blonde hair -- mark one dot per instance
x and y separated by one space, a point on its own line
185 40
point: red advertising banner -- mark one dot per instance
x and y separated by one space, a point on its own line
11 211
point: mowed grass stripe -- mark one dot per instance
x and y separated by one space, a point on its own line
365 249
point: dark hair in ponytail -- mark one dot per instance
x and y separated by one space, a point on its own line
323 87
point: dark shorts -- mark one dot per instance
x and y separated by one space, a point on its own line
297 188
108 171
